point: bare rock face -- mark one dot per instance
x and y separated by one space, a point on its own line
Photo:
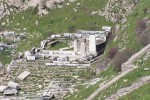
117 10
50 3
16 3
59 1
41 4
34 3
72 0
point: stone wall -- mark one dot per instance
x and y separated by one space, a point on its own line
127 65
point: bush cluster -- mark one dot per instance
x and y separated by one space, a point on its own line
143 36
141 27
122 57
112 52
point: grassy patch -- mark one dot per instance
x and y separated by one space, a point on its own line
140 94
84 92
59 45
108 73
5 57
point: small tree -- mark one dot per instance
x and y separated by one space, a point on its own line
112 52
122 57
144 39
141 27
145 10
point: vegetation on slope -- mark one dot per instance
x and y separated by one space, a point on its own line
59 20
128 40
131 78
5 57
140 94
85 91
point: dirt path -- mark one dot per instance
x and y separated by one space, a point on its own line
104 86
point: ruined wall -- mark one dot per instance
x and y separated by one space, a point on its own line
124 91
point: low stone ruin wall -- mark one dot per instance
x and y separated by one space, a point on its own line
124 91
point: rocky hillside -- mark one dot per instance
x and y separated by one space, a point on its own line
8 7
117 10
133 35
63 17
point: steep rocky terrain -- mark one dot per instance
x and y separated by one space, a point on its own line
117 10
10 6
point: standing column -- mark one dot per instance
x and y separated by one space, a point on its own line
83 49
75 45
92 44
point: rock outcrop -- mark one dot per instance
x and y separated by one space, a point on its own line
10 6
117 10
